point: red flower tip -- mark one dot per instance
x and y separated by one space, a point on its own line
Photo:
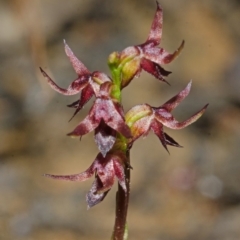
74 88
175 101
105 170
86 95
155 34
78 66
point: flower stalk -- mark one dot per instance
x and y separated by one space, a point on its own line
114 130
120 230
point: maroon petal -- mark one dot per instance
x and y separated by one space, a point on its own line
174 102
86 95
103 109
105 172
78 66
107 183
118 124
75 87
159 55
105 138
74 104
167 58
155 34
79 177
158 130
93 119
169 121
93 197
156 70
170 141
109 167
163 137
108 111
86 126
119 170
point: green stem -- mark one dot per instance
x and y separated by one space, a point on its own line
120 231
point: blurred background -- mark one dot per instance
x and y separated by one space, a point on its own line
193 193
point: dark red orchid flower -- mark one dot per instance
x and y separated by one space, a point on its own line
106 118
114 131
143 118
87 83
105 170
148 56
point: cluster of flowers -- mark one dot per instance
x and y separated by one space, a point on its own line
114 131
